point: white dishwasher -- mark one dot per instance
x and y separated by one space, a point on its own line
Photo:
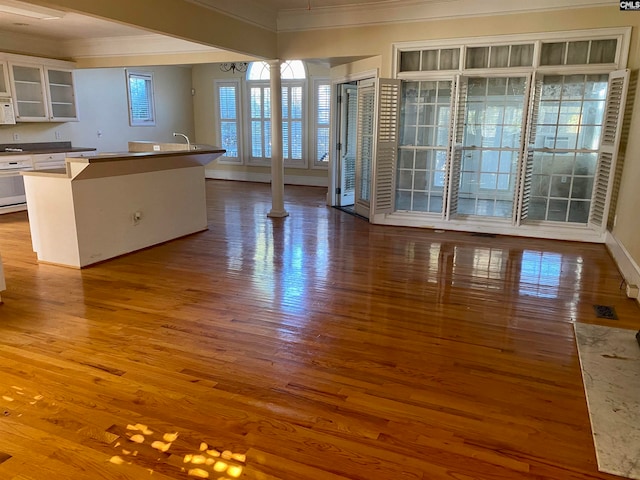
11 182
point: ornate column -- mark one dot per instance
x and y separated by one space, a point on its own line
277 163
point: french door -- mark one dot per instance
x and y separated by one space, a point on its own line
519 152
347 144
487 146
571 153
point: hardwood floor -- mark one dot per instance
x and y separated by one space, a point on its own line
312 347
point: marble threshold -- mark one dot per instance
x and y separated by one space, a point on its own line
610 363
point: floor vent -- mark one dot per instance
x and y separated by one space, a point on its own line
605 311
486 235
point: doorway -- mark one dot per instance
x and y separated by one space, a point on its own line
354 143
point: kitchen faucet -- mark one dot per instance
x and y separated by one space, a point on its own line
175 134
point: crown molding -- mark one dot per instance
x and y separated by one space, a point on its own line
401 11
250 11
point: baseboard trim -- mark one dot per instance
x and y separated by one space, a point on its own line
626 264
265 178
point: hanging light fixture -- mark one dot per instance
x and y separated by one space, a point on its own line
234 67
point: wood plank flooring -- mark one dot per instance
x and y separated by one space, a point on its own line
313 347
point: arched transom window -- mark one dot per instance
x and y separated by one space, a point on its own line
289 70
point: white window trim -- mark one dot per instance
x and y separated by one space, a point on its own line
313 144
623 34
236 82
152 107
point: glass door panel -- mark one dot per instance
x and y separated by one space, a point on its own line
489 152
425 120
348 141
565 140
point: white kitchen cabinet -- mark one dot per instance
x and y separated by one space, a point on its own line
43 90
29 96
5 90
61 95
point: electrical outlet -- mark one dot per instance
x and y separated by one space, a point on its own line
99 133
136 217
16 137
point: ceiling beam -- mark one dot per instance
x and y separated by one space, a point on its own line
180 19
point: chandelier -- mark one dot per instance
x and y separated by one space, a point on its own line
234 67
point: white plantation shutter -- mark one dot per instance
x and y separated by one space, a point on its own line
386 150
457 115
228 127
452 124
526 168
365 147
609 144
322 121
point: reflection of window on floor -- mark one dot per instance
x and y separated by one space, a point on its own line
486 264
540 274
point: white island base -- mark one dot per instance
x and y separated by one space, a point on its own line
108 205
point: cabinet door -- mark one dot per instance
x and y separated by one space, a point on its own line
5 91
27 84
46 161
62 99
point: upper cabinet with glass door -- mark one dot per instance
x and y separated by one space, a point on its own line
61 95
42 90
28 88
5 91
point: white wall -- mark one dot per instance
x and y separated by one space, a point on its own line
102 102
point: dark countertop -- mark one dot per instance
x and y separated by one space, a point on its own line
41 148
200 149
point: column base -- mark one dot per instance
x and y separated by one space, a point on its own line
278 213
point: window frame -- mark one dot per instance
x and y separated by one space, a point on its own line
148 77
517 223
622 34
264 83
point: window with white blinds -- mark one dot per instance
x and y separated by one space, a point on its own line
228 120
294 99
322 111
243 117
140 96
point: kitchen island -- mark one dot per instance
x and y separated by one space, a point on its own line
109 204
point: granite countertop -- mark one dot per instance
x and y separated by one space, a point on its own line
40 147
